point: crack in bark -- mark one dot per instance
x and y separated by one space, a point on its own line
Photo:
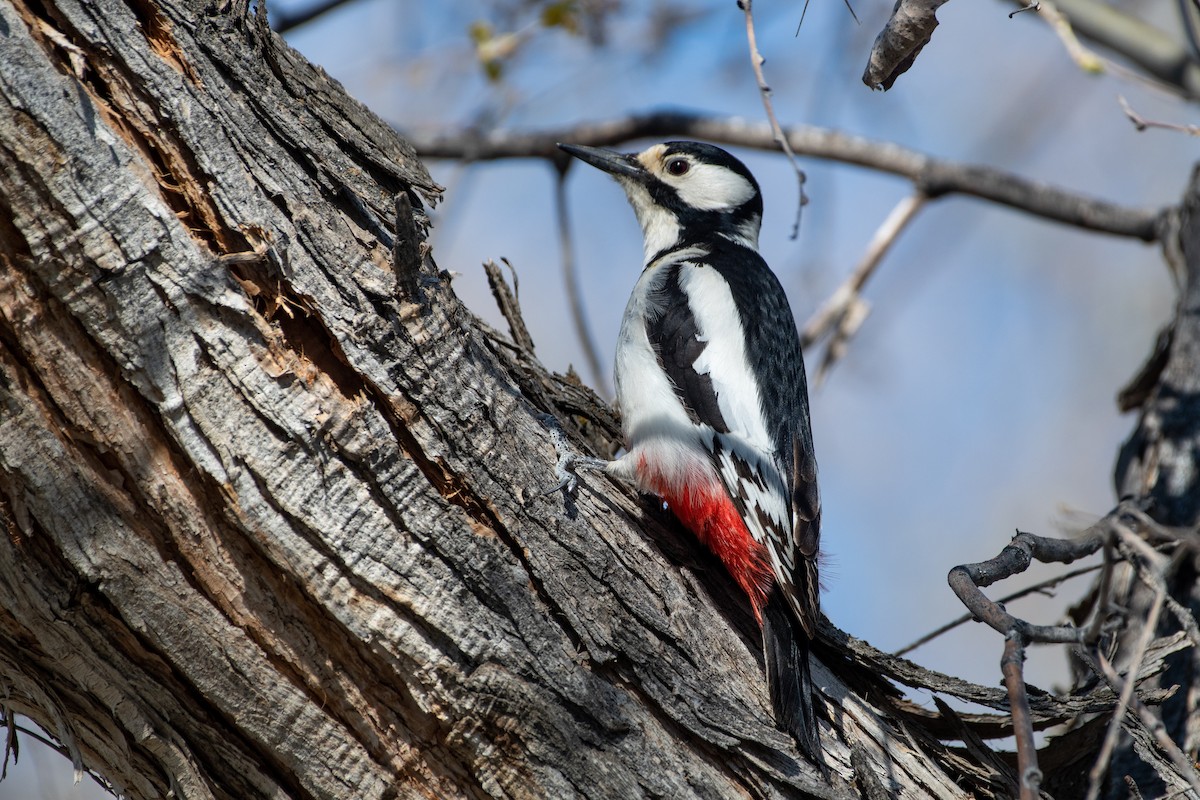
116 94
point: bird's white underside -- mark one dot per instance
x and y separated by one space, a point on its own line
658 429
657 426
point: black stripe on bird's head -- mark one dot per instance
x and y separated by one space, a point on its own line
683 192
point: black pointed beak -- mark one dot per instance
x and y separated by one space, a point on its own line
618 165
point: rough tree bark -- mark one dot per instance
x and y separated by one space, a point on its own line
1160 465
272 493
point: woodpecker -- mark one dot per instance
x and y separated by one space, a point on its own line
711 387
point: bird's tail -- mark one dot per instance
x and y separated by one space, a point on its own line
789 677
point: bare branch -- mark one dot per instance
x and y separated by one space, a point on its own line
968 579
764 89
1096 775
1157 53
1012 667
509 303
1146 729
1047 709
1130 531
1085 59
583 331
1041 586
844 311
1141 123
935 177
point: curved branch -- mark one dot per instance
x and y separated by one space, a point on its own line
933 176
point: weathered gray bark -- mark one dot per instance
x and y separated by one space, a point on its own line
272 494
271 491
1160 465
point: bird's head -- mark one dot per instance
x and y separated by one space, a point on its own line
683 193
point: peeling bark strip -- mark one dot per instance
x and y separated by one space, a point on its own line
270 533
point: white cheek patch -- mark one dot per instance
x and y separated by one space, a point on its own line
660 228
712 188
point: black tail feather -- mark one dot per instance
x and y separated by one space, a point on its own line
789 677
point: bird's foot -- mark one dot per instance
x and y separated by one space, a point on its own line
566 470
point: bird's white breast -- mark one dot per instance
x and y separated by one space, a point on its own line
659 432
657 427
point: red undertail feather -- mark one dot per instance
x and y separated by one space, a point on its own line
704 508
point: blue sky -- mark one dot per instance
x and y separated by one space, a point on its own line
979 395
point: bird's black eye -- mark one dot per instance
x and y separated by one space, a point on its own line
678 166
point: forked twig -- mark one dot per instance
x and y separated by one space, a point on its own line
967 582
1041 586
508 301
843 313
1135 538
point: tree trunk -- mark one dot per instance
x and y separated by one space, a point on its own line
273 496
1160 466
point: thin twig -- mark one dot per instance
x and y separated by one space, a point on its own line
1085 59
1152 568
1141 123
1096 774
1162 55
1012 668
764 89
1184 769
1049 583
845 309
509 303
571 278
1102 593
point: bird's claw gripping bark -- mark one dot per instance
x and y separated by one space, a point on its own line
566 470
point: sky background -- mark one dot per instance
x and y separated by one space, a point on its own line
978 397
